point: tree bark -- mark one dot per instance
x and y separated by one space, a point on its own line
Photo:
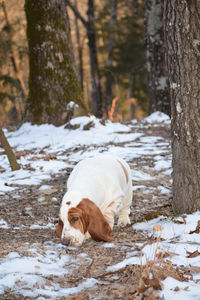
109 75
8 150
53 81
155 60
182 29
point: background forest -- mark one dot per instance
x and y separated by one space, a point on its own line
129 66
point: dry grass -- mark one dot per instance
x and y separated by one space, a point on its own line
148 278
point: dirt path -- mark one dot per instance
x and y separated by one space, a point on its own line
29 206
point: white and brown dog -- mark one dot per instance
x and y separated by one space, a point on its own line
97 189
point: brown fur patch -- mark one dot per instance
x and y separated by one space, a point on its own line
96 223
80 223
59 228
68 202
88 217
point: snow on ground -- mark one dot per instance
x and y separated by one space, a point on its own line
157 117
178 237
36 140
3 224
45 150
25 274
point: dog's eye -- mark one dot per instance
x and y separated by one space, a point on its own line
74 219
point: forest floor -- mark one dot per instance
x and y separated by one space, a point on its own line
33 263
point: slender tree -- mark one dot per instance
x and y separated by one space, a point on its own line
155 60
13 60
12 77
120 26
96 94
53 81
182 30
79 43
110 46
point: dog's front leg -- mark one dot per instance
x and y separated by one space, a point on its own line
87 235
109 214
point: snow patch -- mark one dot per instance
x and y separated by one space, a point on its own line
157 117
4 224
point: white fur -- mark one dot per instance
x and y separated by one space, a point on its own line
75 236
101 179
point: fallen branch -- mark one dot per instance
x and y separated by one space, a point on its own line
8 150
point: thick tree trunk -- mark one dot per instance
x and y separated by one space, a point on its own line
155 60
109 75
53 81
8 150
182 28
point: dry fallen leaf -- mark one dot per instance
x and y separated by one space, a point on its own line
193 254
42 152
37 267
194 269
82 296
164 254
21 283
155 283
49 157
184 219
28 167
197 230
18 154
157 228
178 222
48 282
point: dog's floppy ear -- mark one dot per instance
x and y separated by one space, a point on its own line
59 228
97 225
100 231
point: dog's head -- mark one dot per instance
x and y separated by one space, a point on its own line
74 222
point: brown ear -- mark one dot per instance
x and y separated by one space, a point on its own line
97 225
100 232
59 228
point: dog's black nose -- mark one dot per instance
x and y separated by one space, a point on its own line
65 242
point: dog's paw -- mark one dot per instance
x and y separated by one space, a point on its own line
123 221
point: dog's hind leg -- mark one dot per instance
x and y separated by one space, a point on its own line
125 211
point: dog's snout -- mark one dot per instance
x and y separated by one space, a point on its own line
65 242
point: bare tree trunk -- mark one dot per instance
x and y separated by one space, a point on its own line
53 81
13 59
109 76
8 150
131 95
155 60
132 85
96 94
182 29
80 50
96 83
